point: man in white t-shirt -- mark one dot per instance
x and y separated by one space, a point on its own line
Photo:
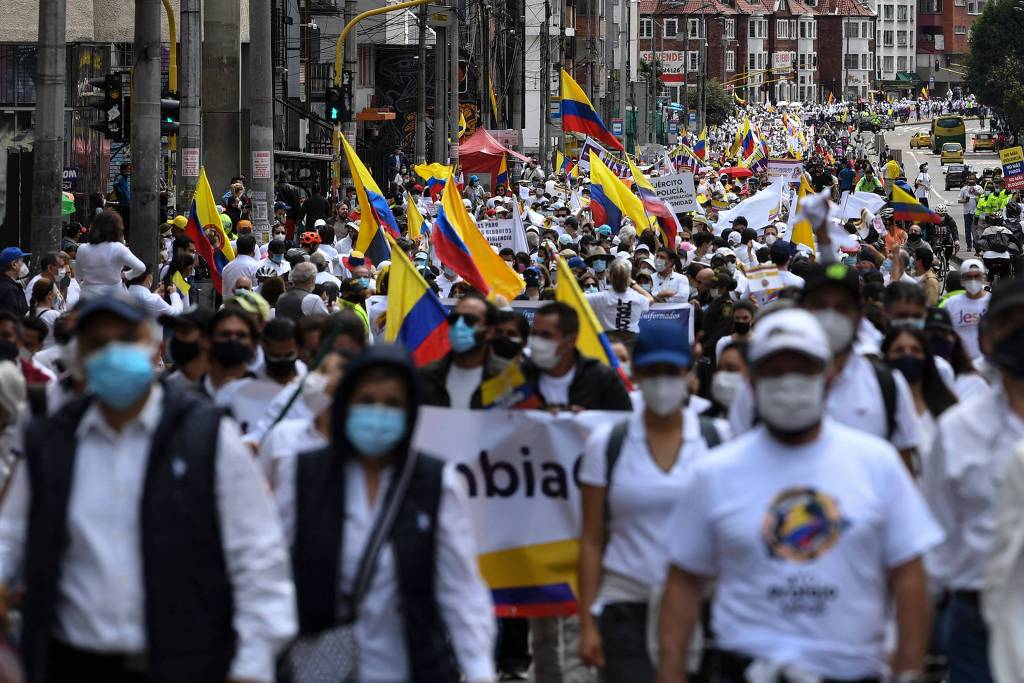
922 184
968 308
454 381
809 527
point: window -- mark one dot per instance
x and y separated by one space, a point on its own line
730 60
852 29
730 29
693 28
792 28
693 59
901 39
901 64
753 61
850 61
902 13
960 30
670 28
960 3
782 29
887 12
803 62
646 28
758 28
865 29
975 6
930 6
887 38
865 59
887 64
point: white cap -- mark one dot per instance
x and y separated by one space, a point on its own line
735 238
724 251
319 222
972 264
791 329
468 204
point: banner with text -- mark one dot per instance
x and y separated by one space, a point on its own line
518 469
790 169
677 190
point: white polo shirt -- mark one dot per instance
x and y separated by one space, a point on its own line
801 540
642 496
675 283
854 399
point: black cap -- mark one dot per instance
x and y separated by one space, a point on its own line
352 285
739 220
531 277
938 319
193 317
1006 295
782 248
122 307
834 275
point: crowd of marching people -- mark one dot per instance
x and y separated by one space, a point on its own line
822 484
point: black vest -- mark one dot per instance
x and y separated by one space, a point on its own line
320 513
188 593
289 304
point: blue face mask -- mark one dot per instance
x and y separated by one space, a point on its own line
120 373
462 336
592 289
887 264
420 263
600 265
374 429
277 258
364 282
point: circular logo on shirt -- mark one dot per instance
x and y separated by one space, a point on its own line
802 524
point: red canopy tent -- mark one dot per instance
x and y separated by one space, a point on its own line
481 153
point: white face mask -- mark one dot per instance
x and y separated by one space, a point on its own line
838 328
791 403
314 392
665 394
724 385
543 352
730 267
769 239
974 286
22 271
62 272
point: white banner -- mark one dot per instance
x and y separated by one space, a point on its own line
788 169
677 190
519 470
500 234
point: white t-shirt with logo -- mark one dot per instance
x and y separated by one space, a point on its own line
616 311
801 540
966 314
642 496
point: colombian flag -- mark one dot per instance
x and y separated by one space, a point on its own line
447 238
924 93
502 179
376 217
800 229
434 175
656 206
591 340
700 150
579 116
415 316
202 216
748 140
610 198
906 207
415 222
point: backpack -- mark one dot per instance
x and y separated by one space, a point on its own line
998 242
888 386
708 431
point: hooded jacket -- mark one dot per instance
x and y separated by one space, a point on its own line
320 513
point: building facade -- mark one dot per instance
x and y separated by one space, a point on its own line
943 33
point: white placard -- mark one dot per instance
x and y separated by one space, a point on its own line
261 163
498 233
677 190
190 162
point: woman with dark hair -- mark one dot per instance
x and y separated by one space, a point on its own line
907 349
100 262
382 542
41 306
946 343
183 263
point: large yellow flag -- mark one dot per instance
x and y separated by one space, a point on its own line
591 340
414 218
801 231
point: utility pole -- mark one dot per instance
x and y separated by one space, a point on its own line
623 66
261 117
143 237
609 57
454 37
48 149
440 92
349 127
545 86
190 132
420 151
487 118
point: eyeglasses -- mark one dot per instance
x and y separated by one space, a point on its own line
469 318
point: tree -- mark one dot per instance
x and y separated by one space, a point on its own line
719 102
996 60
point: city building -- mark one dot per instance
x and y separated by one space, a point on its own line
849 72
943 31
895 45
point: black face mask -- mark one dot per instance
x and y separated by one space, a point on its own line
943 347
182 352
740 328
912 367
8 350
280 368
231 353
506 347
1008 354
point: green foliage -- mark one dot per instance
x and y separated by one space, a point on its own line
720 104
996 61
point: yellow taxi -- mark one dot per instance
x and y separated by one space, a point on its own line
952 152
921 140
986 141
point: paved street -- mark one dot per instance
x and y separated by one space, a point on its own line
912 158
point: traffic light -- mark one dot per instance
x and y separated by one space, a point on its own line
339 104
169 115
113 122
